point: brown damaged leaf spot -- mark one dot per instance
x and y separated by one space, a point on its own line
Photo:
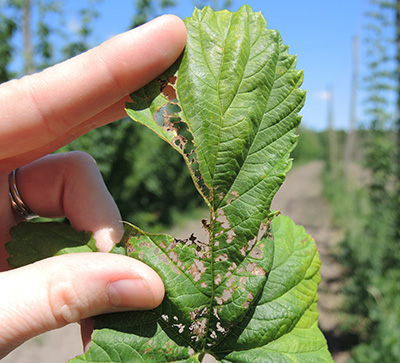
221 329
164 259
181 327
191 352
197 269
221 258
232 196
202 249
218 279
179 141
228 274
251 243
258 271
168 255
221 218
150 348
198 313
231 281
242 283
215 313
167 125
168 117
172 245
173 256
135 245
232 267
220 233
231 234
199 322
225 227
256 253
169 345
198 328
264 230
130 249
226 295
250 298
253 269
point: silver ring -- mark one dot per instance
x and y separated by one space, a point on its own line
16 201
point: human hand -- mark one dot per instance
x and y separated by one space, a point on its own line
39 114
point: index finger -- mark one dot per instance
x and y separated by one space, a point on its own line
39 109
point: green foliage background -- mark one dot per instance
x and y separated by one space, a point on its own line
367 207
148 179
309 146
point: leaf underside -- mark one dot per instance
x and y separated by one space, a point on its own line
230 107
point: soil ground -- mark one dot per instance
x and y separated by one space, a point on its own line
300 198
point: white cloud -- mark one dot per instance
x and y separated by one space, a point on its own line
73 25
323 95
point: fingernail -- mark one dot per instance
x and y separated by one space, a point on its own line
132 293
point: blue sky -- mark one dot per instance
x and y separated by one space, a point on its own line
319 32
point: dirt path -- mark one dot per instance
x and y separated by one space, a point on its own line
300 198
57 346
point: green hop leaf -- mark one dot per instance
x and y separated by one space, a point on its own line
32 242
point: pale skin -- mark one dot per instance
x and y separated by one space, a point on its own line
39 114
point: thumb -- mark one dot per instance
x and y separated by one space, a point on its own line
52 293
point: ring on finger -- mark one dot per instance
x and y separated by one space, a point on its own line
16 201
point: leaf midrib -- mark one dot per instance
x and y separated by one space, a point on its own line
212 237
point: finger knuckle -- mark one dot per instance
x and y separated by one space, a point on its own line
80 159
65 303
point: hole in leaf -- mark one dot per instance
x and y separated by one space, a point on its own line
172 79
169 92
